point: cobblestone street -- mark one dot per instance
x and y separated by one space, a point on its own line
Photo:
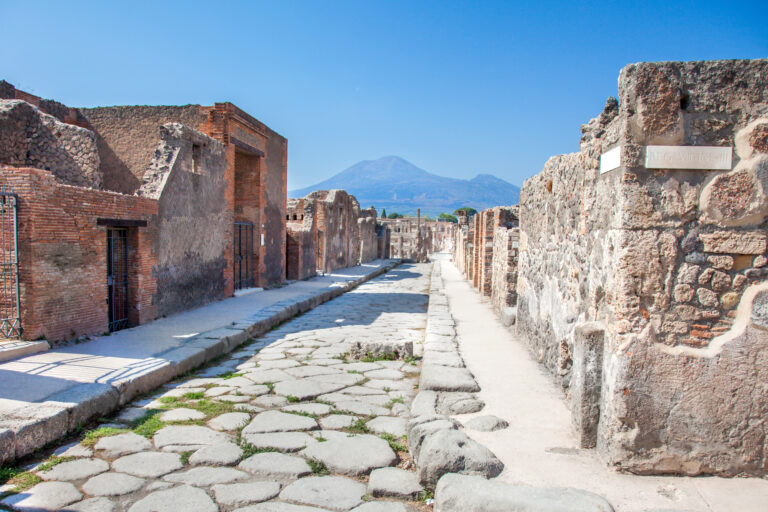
289 422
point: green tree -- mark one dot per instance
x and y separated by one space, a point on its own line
448 217
383 213
469 211
395 215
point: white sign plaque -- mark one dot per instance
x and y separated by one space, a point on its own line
610 160
711 158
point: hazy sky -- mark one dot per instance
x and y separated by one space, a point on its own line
457 88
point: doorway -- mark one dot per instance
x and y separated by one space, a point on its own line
117 278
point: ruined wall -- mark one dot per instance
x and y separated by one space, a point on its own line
366 228
187 176
63 250
337 213
301 240
504 267
127 136
669 262
31 138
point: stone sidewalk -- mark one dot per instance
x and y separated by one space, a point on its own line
46 395
538 447
286 423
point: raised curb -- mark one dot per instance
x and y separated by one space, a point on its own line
429 415
28 428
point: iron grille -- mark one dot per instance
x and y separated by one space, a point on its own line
117 278
243 255
10 316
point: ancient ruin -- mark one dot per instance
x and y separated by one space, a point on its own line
617 327
640 276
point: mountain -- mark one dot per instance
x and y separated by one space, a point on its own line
399 186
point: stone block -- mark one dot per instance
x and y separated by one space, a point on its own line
37 425
7 445
734 242
586 381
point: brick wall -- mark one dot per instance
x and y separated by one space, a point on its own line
62 255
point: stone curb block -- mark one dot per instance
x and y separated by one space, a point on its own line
27 429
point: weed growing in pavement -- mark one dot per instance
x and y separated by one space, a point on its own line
92 436
318 468
358 427
303 413
212 407
194 395
230 375
249 449
185 457
391 403
148 424
270 385
386 356
292 399
393 442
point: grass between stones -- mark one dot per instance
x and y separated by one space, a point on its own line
92 436
303 413
23 480
318 468
358 427
398 400
148 424
394 442
386 356
292 399
230 375
185 457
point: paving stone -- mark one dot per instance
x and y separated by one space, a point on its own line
181 435
443 358
277 465
238 382
184 498
337 421
387 384
352 455
311 408
199 382
253 390
230 421
346 379
486 423
269 401
331 492
237 495
234 398
130 414
181 414
385 373
73 450
154 486
458 403
260 376
122 444
75 470
394 482
44 496
112 484
312 370
359 367
277 506
148 464
205 476
447 378
452 451
361 408
222 454
280 364
282 441
362 390
248 408
388 425
181 448
460 493
306 389
278 421
91 505
180 392
421 426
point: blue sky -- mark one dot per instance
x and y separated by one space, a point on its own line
457 88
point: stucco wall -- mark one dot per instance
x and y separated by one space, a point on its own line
195 226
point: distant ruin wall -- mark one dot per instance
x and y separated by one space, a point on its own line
187 176
504 268
275 190
301 226
670 262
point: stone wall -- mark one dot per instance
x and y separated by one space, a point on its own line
32 138
337 239
187 177
301 245
63 255
127 136
669 263
366 228
504 267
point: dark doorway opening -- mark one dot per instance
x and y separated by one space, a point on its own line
117 278
243 256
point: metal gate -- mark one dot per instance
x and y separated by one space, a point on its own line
117 278
243 257
10 316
